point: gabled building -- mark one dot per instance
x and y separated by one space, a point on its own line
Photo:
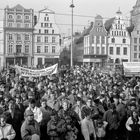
118 39
46 39
95 43
135 34
18 36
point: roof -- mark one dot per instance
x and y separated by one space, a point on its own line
119 11
130 29
46 10
108 23
87 31
98 17
138 3
18 6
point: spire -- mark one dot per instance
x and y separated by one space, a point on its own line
119 11
138 3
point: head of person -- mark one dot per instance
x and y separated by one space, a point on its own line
29 115
43 103
31 95
32 103
89 102
135 114
65 105
2 120
11 106
86 113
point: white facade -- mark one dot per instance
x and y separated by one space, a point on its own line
119 40
1 45
46 39
18 36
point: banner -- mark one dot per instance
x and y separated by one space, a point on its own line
36 73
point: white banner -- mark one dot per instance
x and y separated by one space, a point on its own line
37 73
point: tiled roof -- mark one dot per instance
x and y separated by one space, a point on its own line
18 6
108 23
87 31
138 3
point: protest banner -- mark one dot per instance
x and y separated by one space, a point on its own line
36 73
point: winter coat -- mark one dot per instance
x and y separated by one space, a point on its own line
7 131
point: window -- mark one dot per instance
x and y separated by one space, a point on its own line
38 49
135 55
46 39
10 24
50 24
135 40
97 39
103 40
47 18
10 49
27 25
46 24
18 48
124 33
39 31
135 47
118 50
41 24
92 50
27 17
27 49
111 50
139 48
113 40
10 37
103 50
44 18
92 39
112 33
46 49
53 49
18 25
120 33
137 32
124 40
98 50
124 51
18 37
27 38
10 16
39 61
46 31
38 39
53 39
52 31
18 16
139 40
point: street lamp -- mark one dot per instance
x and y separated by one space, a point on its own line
72 6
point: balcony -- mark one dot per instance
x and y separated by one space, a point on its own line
20 54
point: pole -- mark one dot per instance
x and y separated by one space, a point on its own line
72 6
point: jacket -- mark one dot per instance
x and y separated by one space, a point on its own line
7 132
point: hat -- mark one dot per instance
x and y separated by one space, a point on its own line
29 113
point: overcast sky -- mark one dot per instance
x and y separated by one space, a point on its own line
106 8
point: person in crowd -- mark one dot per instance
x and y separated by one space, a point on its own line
6 130
133 126
87 125
30 129
37 112
14 118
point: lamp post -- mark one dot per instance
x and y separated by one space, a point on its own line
72 6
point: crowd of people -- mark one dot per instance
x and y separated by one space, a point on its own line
77 103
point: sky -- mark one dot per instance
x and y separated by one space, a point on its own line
87 9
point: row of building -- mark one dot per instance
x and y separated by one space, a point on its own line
30 39
115 40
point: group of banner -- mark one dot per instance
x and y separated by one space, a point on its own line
36 73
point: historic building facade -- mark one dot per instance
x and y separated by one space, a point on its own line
47 39
135 34
18 36
118 39
95 43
